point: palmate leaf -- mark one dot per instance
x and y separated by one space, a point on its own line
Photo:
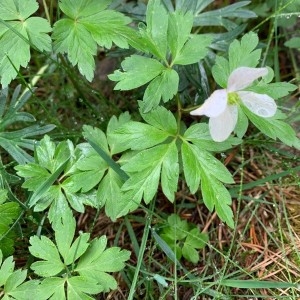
19 31
133 75
43 176
156 158
15 141
167 36
109 188
61 263
94 262
87 24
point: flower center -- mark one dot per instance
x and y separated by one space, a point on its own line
233 98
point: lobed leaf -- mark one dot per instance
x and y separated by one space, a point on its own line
179 29
157 26
133 75
46 250
200 166
87 24
160 118
193 50
97 261
240 54
19 31
138 136
164 87
274 127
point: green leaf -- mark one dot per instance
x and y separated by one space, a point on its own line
243 53
11 112
196 239
170 172
194 50
53 286
205 161
3 195
46 185
145 168
75 40
190 253
19 31
164 87
275 90
199 135
97 261
79 286
46 250
133 75
157 26
190 168
6 269
21 9
176 230
215 195
274 127
179 29
34 173
138 136
109 193
294 42
240 54
97 140
25 289
219 17
87 24
221 71
14 280
143 184
89 171
198 165
64 235
56 159
113 124
160 118
8 213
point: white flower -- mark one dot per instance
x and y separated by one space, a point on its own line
221 106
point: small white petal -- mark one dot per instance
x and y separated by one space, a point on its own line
221 127
242 77
260 104
213 106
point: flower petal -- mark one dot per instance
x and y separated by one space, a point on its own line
242 77
221 127
260 104
213 106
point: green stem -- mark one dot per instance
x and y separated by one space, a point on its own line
46 11
179 113
132 291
